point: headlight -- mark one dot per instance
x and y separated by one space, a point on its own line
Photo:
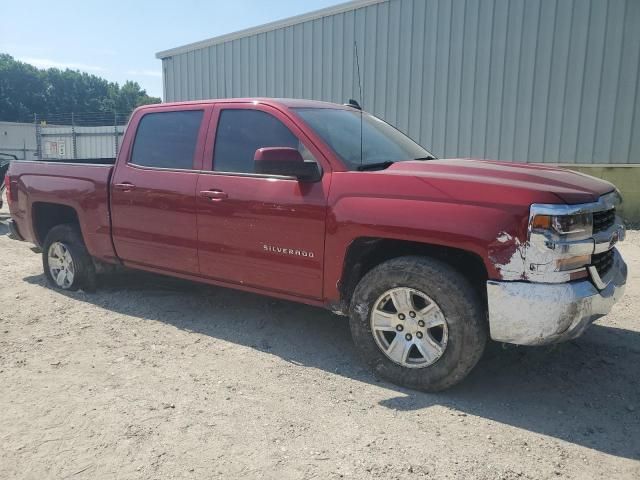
563 227
560 237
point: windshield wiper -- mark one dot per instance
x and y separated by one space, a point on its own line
428 157
376 166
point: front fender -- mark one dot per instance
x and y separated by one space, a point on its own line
475 228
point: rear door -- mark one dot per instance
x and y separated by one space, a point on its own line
260 230
153 203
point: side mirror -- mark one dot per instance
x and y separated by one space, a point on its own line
285 161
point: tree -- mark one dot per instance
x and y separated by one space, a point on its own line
25 90
130 96
22 89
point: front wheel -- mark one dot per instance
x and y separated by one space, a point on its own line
418 323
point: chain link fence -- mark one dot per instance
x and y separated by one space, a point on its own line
72 136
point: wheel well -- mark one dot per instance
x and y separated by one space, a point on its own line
365 253
48 215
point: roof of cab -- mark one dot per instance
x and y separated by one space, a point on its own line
285 102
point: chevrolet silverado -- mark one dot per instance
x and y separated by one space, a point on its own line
327 205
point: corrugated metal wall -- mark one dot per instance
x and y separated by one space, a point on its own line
523 80
98 142
91 142
18 139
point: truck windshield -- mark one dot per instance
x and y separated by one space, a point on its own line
382 144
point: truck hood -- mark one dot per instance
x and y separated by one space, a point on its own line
570 187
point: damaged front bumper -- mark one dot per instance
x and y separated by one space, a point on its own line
527 313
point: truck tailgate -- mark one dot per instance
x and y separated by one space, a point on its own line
82 187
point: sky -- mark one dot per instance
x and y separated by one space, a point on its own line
118 39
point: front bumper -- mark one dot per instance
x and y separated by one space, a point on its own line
528 313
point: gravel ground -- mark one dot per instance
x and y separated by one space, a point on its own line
156 378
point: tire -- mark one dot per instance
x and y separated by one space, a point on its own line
433 294
80 271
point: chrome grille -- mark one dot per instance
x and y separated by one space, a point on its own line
603 262
603 220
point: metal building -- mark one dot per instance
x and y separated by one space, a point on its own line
64 136
18 139
523 80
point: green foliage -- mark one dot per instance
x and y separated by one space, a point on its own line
25 90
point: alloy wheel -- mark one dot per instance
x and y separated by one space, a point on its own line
409 327
61 265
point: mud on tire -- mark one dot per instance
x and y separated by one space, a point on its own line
463 311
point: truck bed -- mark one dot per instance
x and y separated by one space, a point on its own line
81 187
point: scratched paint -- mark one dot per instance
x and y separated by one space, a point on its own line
508 254
525 260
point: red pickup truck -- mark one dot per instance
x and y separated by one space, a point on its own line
330 206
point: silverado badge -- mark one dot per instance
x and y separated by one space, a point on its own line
287 251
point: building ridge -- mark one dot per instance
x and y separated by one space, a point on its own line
268 27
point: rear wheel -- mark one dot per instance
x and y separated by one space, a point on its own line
418 323
67 264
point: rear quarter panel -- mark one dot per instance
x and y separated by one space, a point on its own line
85 188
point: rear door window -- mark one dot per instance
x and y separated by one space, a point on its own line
167 139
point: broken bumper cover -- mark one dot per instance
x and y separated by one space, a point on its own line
526 313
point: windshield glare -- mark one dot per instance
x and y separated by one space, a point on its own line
340 129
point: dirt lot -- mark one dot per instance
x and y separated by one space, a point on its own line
156 378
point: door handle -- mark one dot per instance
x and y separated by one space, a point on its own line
124 187
214 195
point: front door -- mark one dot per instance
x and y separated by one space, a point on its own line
259 230
153 202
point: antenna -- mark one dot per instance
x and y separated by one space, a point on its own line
353 104
355 51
